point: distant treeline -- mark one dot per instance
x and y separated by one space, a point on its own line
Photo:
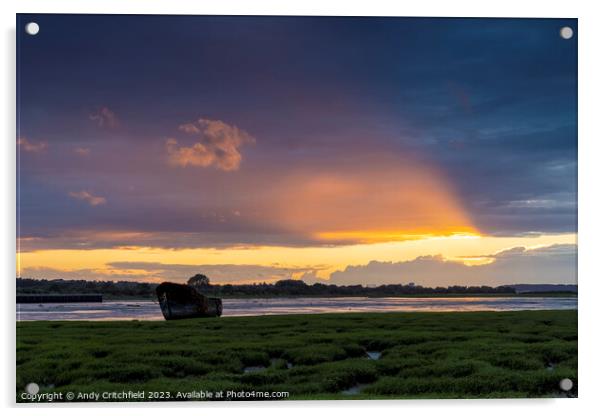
124 289
541 288
300 288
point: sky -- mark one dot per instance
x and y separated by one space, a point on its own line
336 150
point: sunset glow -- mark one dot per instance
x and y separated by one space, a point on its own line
276 153
324 260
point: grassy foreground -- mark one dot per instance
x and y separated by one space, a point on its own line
424 355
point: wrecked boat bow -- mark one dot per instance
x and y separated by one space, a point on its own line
181 302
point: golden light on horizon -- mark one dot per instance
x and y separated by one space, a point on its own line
377 236
474 261
467 249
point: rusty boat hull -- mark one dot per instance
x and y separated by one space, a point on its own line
183 302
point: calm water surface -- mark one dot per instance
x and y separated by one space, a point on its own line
149 310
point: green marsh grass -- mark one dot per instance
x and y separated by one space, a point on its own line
424 355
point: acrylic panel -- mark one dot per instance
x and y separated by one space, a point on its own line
295 208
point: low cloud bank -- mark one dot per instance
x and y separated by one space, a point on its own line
552 264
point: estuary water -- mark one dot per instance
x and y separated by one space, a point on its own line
149 310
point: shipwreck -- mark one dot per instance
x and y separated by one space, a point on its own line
181 302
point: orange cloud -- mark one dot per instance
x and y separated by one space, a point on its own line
82 151
384 200
88 197
218 145
30 146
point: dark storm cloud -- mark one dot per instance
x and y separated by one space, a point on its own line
504 177
491 103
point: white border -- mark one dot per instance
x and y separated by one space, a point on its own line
590 207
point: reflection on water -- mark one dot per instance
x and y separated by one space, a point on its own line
149 310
